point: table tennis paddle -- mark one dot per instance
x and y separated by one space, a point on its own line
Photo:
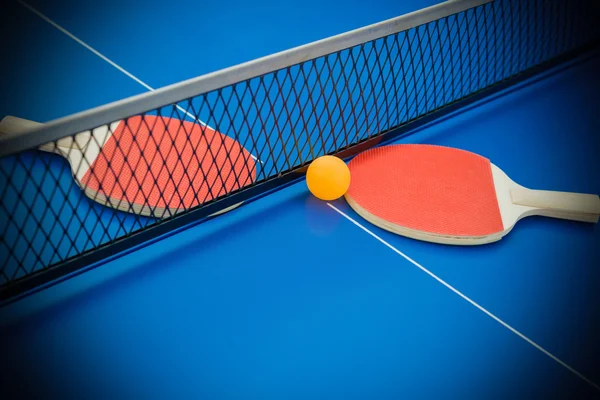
151 165
450 196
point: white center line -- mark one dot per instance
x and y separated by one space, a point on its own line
102 56
472 302
109 61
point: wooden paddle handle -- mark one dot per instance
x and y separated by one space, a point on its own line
574 206
13 126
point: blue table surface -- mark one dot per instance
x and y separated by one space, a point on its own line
287 297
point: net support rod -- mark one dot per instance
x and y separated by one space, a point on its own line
95 117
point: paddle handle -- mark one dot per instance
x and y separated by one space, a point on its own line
573 206
13 126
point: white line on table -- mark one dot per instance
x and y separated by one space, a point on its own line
456 291
108 60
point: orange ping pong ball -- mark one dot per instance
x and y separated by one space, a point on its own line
328 178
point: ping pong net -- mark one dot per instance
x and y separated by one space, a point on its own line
197 148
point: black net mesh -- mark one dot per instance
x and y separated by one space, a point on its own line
169 161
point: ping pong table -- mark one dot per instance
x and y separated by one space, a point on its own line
288 296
